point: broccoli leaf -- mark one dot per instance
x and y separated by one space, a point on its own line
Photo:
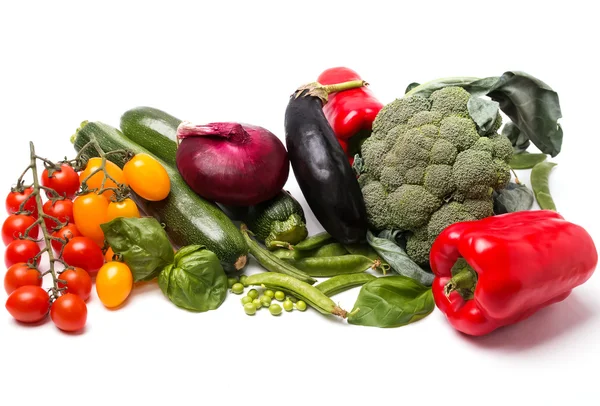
530 103
518 139
484 112
514 197
411 86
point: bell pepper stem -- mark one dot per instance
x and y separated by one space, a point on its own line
338 87
464 282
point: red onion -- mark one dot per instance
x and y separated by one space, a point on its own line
231 163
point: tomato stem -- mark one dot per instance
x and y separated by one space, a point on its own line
45 233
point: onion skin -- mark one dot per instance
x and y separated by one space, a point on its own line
231 163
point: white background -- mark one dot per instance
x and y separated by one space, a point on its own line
224 61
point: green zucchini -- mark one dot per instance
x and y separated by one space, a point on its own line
154 130
188 218
279 219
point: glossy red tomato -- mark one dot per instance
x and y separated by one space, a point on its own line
65 182
15 226
20 251
83 252
28 304
66 233
21 275
61 209
14 200
69 312
78 281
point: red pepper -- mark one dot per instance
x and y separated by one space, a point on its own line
518 263
350 112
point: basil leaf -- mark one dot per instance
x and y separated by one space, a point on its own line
195 280
514 197
143 244
391 301
397 258
530 103
484 112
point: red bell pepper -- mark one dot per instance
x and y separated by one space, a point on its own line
350 112
516 264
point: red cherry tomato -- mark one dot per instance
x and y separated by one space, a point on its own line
21 275
28 304
61 209
83 252
20 251
69 312
65 182
14 200
78 281
66 233
15 226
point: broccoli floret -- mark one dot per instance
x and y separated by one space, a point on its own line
450 101
427 168
399 112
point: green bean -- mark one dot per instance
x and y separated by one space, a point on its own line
302 290
332 266
333 249
341 283
315 241
540 184
271 262
526 161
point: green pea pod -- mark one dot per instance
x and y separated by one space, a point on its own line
301 290
333 249
342 283
332 266
313 242
288 254
526 161
367 251
540 175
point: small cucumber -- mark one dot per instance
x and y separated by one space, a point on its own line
188 218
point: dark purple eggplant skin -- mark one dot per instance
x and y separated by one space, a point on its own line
323 172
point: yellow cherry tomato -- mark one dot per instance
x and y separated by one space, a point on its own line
114 283
95 181
147 177
89 211
125 208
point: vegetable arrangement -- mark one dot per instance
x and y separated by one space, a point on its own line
407 194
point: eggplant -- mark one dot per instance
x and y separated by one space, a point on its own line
321 168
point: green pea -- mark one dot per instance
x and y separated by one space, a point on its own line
540 184
246 299
265 300
275 309
243 279
300 305
279 295
269 293
237 288
253 293
257 303
250 309
231 281
288 306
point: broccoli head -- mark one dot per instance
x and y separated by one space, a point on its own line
427 167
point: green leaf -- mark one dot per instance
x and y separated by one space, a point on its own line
519 140
411 86
143 244
530 103
484 112
391 301
514 197
397 258
195 280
